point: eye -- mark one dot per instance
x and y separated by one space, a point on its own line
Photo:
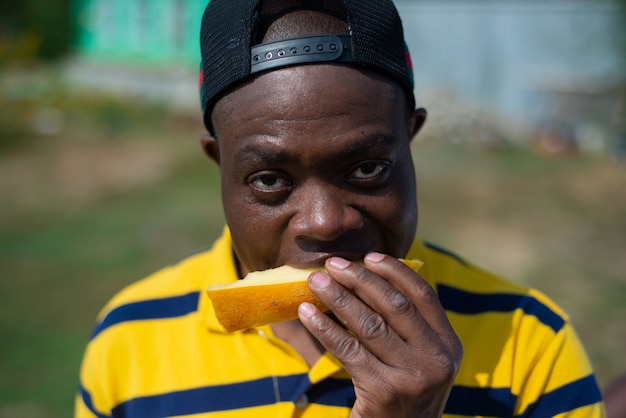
268 182
369 170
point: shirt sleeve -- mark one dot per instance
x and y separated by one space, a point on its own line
561 382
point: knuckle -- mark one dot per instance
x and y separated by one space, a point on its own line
458 356
321 325
362 275
448 368
342 298
374 326
348 347
425 291
453 351
399 303
448 364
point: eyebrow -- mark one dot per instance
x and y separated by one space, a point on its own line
259 153
377 142
252 154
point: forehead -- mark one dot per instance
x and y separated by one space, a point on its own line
311 100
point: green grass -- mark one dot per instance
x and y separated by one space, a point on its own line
72 234
555 224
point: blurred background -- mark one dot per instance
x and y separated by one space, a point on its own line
521 165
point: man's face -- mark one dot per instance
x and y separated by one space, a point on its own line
315 162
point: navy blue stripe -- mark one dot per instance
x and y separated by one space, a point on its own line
209 398
333 392
463 302
86 396
482 402
149 309
574 395
446 252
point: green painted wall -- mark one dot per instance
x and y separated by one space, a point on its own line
139 32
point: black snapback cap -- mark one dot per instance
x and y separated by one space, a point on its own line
230 55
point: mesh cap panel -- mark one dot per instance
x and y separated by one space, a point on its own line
229 29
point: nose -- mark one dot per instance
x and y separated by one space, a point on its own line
325 214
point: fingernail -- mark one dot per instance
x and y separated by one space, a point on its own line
306 309
374 257
320 279
338 263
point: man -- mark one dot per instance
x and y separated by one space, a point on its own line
310 111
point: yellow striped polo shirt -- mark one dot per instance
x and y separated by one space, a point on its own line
157 350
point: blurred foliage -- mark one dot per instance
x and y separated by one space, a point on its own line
37 104
61 182
34 30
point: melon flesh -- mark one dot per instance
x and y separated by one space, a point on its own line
268 296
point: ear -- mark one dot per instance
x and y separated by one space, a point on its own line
211 147
415 121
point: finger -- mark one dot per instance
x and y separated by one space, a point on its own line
339 342
384 309
417 290
367 325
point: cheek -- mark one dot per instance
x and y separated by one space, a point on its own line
401 212
255 228
242 214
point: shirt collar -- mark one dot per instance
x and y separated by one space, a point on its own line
221 269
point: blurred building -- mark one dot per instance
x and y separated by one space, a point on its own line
139 32
145 48
553 65
539 62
